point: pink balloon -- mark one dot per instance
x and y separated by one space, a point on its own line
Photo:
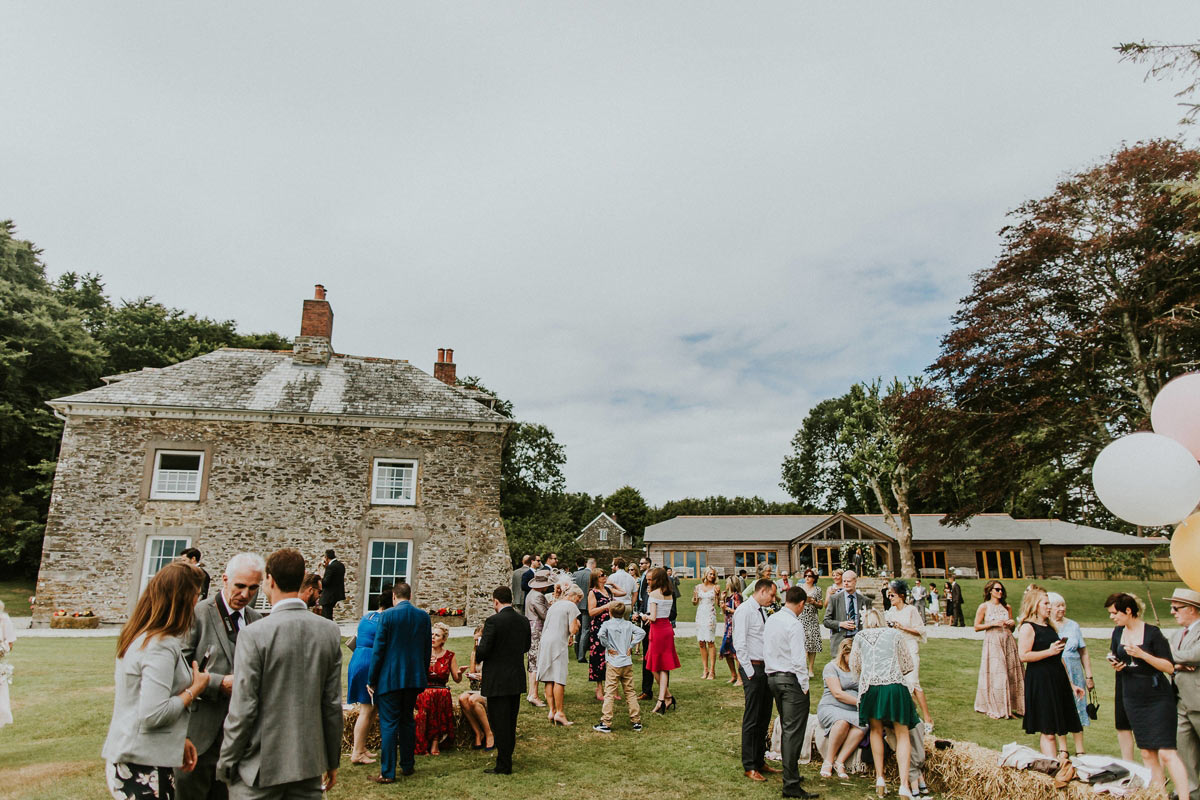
1176 411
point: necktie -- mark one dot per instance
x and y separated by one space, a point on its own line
851 611
236 618
762 615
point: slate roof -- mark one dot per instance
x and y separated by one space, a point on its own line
267 380
926 529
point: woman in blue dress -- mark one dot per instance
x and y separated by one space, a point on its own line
729 604
356 678
1075 659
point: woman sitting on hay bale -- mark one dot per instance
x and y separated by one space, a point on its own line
882 660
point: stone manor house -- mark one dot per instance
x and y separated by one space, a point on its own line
396 470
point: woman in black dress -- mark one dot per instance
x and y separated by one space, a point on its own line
1143 662
598 602
1049 696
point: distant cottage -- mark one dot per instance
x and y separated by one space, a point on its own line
603 533
396 470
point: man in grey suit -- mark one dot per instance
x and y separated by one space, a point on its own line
518 576
843 615
283 735
582 576
1185 651
218 621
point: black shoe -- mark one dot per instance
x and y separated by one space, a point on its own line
494 771
408 771
800 793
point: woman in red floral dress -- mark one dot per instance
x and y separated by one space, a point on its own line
435 707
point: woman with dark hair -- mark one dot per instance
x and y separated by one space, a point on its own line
1143 662
1049 693
356 677
147 737
598 601
905 618
661 657
808 617
1001 690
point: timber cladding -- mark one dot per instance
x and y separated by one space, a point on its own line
268 485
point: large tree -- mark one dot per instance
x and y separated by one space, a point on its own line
1062 344
45 351
817 472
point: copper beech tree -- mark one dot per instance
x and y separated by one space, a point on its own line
1062 344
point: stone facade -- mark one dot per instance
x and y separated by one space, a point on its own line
603 533
289 443
271 485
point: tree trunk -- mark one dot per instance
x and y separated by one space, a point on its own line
902 527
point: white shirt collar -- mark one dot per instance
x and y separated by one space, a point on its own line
289 603
232 614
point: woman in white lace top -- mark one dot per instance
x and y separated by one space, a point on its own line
882 659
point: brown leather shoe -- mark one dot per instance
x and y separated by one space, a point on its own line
754 775
381 779
643 696
767 768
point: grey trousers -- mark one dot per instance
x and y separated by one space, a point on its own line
201 783
581 638
792 702
1187 737
307 789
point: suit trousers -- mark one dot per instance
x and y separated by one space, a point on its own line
1187 736
502 716
581 638
793 716
397 727
327 610
307 789
647 675
201 783
755 718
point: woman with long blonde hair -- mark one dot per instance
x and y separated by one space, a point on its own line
729 603
147 737
1049 695
704 597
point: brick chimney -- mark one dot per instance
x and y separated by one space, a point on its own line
444 369
314 345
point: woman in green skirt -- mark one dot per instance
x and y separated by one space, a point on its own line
881 659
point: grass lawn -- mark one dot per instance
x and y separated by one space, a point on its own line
62 702
15 592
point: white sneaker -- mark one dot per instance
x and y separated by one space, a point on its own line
928 728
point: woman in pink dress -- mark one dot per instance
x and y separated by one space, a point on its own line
1001 692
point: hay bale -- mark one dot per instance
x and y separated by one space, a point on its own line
75 623
971 772
463 735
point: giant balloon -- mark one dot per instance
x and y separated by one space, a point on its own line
1147 479
1176 411
1185 551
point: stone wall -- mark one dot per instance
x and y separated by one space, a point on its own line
589 537
270 485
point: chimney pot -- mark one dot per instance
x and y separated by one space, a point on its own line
444 370
319 294
441 355
449 356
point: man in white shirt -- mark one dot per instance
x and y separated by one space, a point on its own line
623 580
749 622
785 661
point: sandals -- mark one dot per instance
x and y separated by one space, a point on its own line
840 769
827 770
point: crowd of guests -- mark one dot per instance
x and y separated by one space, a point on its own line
207 688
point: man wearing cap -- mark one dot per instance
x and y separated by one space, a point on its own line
1185 648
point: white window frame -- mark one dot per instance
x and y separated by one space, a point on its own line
149 555
368 574
410 499
604 534
193 496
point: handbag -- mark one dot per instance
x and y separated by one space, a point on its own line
1093 705
352 642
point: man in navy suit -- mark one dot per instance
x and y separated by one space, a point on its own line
399 671
502 648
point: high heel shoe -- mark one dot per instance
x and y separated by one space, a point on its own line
839 769
660 708
671 703
880 787
904 792
561 719
827 770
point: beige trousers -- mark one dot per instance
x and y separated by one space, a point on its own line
1187 735
623 676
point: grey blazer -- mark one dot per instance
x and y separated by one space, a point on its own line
285 715
149 723
835 615
1187 654
208 712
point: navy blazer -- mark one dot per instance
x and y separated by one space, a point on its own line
401 653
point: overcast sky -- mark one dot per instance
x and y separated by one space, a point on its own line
665 230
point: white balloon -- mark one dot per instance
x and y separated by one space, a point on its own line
1147 479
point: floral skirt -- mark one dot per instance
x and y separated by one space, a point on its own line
434 719
139 782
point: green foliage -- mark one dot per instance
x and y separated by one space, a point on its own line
1136 563
531 470
45 351
816 473
719 505
627 506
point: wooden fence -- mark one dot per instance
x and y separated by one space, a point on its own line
1087 569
